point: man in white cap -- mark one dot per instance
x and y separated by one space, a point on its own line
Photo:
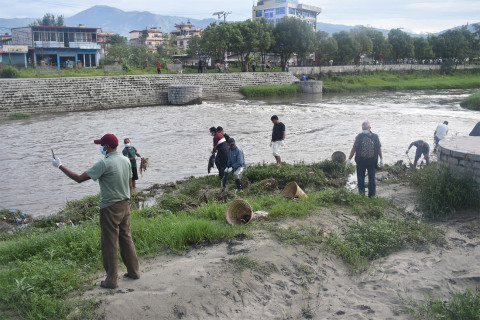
114 174
367 149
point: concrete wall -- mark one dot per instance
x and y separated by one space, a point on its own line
391 67
47 95
461 155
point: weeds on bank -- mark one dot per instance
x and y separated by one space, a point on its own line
441 192
269 90
18 116
459 306
471 102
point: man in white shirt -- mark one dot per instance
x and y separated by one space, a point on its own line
440 133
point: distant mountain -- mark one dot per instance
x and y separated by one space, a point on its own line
122 22
111 19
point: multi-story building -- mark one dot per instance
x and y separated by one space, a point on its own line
153 38
102 38
275 10
184 32
59 46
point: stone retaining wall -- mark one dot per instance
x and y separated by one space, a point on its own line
388 68
461 155
47 95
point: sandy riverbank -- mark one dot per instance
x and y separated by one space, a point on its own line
296 282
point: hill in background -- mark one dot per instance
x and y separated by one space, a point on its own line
111 19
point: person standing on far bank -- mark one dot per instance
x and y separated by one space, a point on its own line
278 138
114 175
131 153
367 149
159 67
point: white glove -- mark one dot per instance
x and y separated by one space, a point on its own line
282 143
271 144
406 152
347 165
226 170
381 163
230 169
56 162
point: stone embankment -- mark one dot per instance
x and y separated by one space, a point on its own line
46 95
461 155
378 67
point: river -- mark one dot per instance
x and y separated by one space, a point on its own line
177 142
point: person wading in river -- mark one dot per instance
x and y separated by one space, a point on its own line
114 174
367 149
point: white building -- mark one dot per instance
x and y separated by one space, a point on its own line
275 10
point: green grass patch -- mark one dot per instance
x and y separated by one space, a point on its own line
459 306
18 116
270 90
380 80
471 102
442 193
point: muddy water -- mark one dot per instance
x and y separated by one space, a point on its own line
177 141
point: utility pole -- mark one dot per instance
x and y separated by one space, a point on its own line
224 14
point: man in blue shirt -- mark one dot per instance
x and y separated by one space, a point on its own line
236 160
422 148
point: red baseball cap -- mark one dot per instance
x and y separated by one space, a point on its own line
108 139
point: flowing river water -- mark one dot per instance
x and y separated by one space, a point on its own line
177 142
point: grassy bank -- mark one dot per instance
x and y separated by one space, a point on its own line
269 90
376 81
44 266
471 102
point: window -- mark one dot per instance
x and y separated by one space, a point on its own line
258 13
268 13
279 11
291 10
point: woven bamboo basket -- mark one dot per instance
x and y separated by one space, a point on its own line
238 212
339 156
292 190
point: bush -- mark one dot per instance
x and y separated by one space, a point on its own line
9 72
441 192
471 102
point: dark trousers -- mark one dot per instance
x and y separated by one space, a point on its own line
362 167
115 230
221 161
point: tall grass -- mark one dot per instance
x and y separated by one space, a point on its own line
459 306
442 193
471 102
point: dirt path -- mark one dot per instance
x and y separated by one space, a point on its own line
302 283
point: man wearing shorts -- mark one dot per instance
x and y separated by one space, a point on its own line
131 153
278 138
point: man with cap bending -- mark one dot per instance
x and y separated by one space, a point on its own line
114 174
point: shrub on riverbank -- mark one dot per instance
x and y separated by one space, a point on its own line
471 102
381 80
270 90
18 116
441 192
9 72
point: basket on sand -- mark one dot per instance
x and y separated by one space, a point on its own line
238 212
338 156
292 190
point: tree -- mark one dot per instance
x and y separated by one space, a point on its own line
49 20
212 41
116 39
348 47
423 50
402 44
291 36
327 46
365 43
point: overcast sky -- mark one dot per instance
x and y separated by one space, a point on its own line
414 16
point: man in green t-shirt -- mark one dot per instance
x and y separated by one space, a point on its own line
114 176
131 153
